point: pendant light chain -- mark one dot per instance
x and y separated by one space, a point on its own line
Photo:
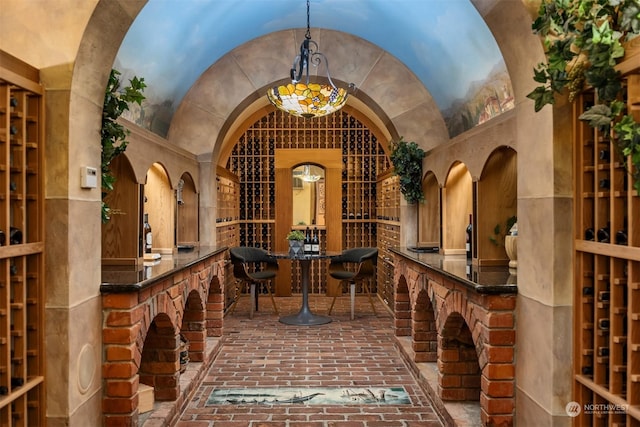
308 35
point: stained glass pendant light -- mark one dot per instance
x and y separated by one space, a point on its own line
305 99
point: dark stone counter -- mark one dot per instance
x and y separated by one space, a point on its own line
482 279
123 278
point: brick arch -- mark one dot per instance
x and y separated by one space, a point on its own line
177 300
160 363
458 367
455 302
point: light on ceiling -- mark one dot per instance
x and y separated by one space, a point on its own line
305 99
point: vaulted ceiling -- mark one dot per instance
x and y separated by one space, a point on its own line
445 44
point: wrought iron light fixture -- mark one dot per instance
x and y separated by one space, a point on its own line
305 99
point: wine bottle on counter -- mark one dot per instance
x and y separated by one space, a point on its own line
469 237
315 242
148 236
307 241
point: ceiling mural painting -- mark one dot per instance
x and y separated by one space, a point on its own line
445 43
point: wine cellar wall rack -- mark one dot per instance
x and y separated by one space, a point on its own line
21 251
607 276
252 161
388 215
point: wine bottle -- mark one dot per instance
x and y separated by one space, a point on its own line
469 237
307 241
589 234
603 234
17 382
603 351
315 243
148 236
15 236
603 324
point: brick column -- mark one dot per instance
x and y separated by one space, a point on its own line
120 403
497 400
424 333
215 302
193 329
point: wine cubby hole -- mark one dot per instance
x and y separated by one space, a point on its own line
21 253
607 274
252 158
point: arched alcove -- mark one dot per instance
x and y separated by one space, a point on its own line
430 227
457 206
187 212
125 216
497 202
159 204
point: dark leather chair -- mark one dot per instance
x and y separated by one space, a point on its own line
366 260
253 266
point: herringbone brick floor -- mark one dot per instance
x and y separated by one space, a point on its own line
263 352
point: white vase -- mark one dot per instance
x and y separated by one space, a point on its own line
511 247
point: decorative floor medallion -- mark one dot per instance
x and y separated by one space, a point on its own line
310 396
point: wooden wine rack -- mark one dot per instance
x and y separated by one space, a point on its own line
227 227
21 257
388 215
252 161
607 277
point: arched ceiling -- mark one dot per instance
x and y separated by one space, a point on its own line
444 43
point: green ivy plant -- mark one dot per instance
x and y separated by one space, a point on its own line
499 232
583 44
113 134
407 163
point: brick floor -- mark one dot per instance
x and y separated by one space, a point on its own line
266 353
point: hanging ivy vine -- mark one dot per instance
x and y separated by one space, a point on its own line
583 42
407 164
113 134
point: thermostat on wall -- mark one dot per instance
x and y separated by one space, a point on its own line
88 177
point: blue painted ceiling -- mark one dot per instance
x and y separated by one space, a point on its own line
445 43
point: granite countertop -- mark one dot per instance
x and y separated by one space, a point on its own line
132 278
483 279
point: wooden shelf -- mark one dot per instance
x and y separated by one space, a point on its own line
607 252
22 262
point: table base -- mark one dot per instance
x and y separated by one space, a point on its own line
304 318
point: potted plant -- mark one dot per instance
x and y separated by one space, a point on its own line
296 241
583 43
407 164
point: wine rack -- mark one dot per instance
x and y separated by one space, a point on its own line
607 277
21 250
252 161
388 215
227 227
